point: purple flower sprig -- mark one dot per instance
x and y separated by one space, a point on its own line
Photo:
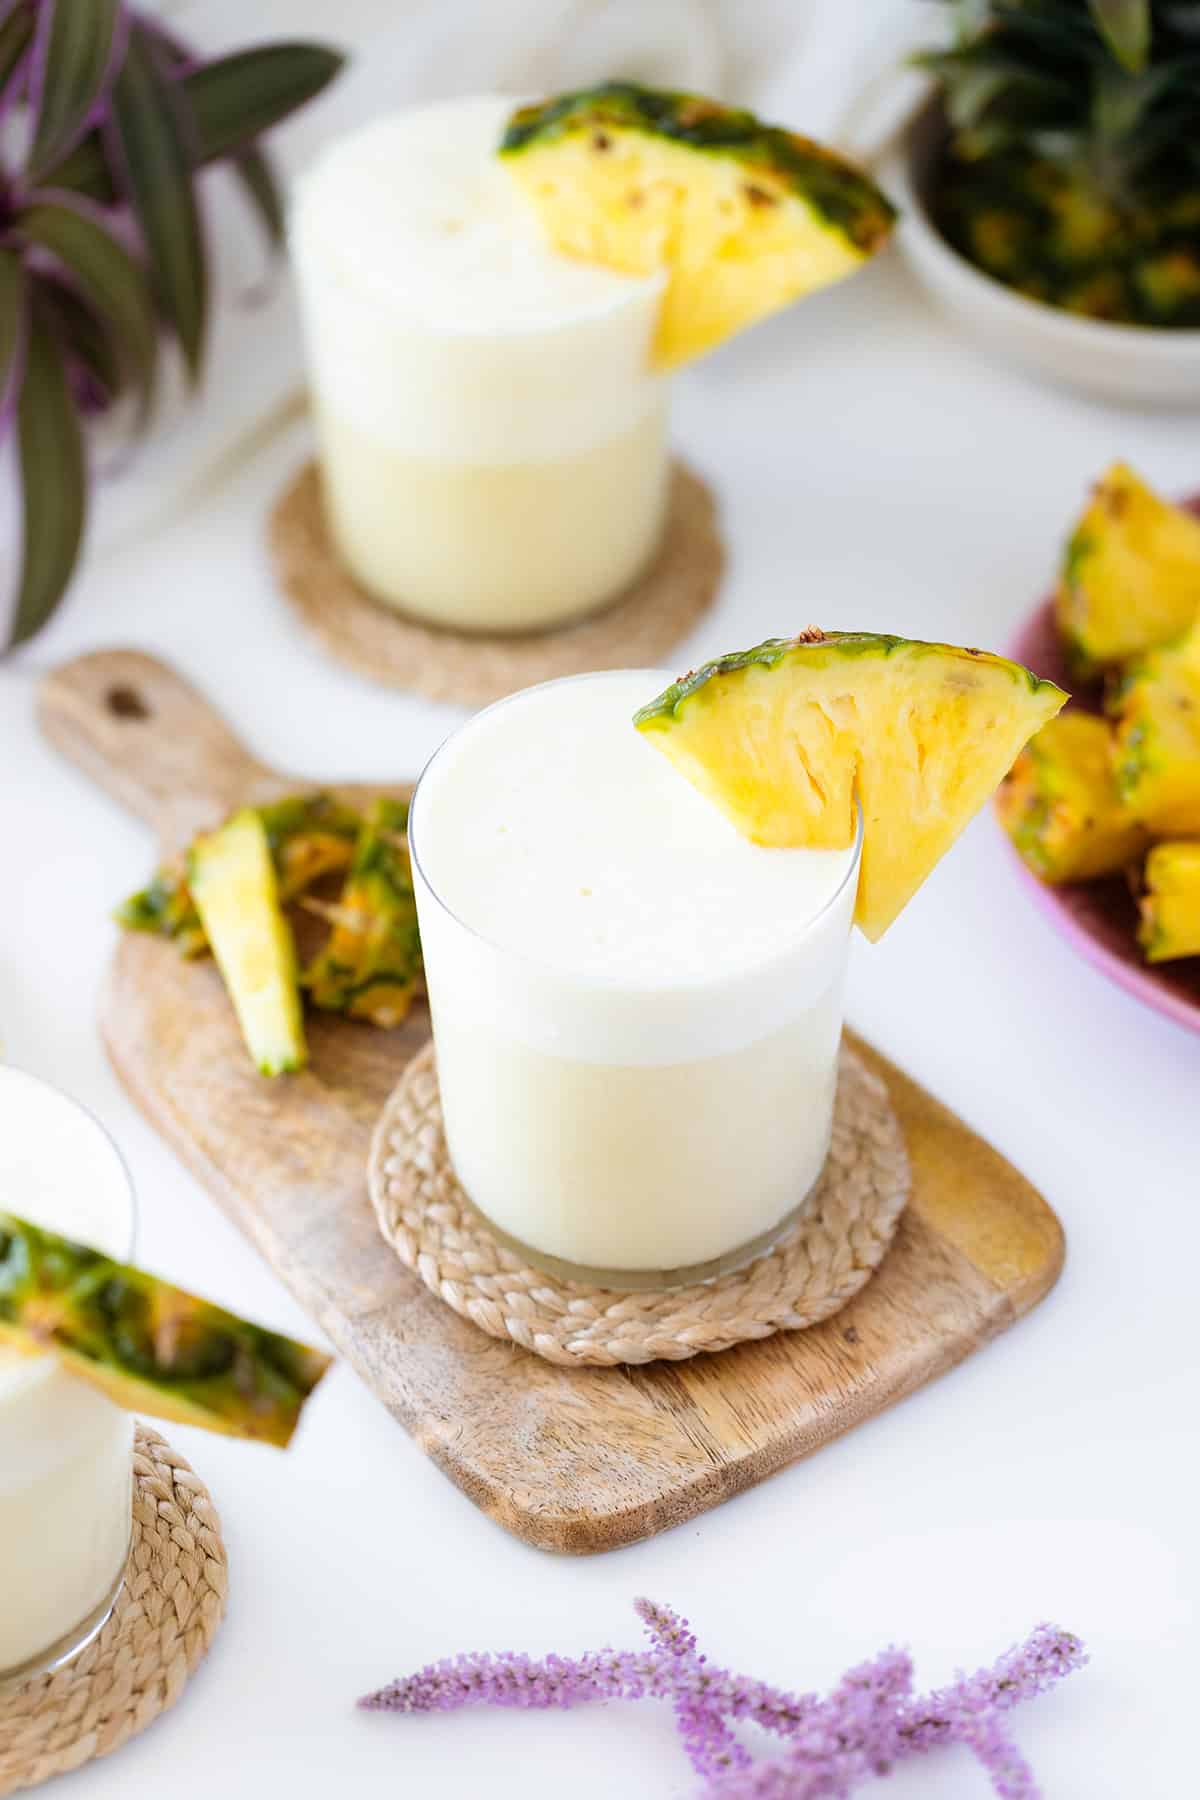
870 1721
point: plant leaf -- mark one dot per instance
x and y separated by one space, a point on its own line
253 170
274 81
16 31
156 173
84 334
13 297
52 480
1125 27
106 275
80 55
237 98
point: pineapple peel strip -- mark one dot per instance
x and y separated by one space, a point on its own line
149 1346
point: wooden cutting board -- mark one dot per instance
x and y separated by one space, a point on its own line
568 1460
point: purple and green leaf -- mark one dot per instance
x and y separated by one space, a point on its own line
79 58
52 478
150 127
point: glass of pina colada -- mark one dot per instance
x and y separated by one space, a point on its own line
635 900
66 1452
493 300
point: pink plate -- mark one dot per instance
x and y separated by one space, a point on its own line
1099 918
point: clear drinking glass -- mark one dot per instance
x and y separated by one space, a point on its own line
636 1131
492 440
66 1452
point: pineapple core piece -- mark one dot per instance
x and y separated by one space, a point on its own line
235 889
742 217
1170 905
1157 705
782 738
1061 807
151 1347
1131 573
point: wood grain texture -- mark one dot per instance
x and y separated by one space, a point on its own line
569 1460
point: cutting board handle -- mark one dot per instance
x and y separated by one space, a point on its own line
149 739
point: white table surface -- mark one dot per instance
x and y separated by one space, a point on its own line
875 472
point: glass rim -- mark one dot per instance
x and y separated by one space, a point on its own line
589 978
129 1236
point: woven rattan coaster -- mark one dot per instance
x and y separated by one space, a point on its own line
158 1632
638 631
828 1254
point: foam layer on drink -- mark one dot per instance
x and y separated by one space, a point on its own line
426 276
645 927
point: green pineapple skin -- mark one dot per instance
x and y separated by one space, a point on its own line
659 713
151 1347
834 189
232 879
373 972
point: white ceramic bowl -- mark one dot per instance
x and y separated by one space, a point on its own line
1132 364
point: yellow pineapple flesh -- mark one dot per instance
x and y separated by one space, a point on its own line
1061 806
235 889
783 737
1131 573
743 217
1157 707
1170 904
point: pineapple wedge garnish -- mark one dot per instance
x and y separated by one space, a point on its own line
783 737
1157 706
235 889
1131 573
743 217
1060 805
151 1347
1170 904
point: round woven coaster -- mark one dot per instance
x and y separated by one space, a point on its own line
828 1254
159 1629
637 631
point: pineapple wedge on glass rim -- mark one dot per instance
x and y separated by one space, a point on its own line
743 217
150 1346
783 737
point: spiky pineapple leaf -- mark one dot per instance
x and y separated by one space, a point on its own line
156 165
79 56
105 275
52 480
1125 27
13 288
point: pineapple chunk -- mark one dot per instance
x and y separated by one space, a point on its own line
151 1347
1170 905
1157 704
782 737
1060 803
743 217
236 892
371 966
1130 576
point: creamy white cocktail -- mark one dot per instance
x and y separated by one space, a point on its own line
65 1451
492 440
636 1011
